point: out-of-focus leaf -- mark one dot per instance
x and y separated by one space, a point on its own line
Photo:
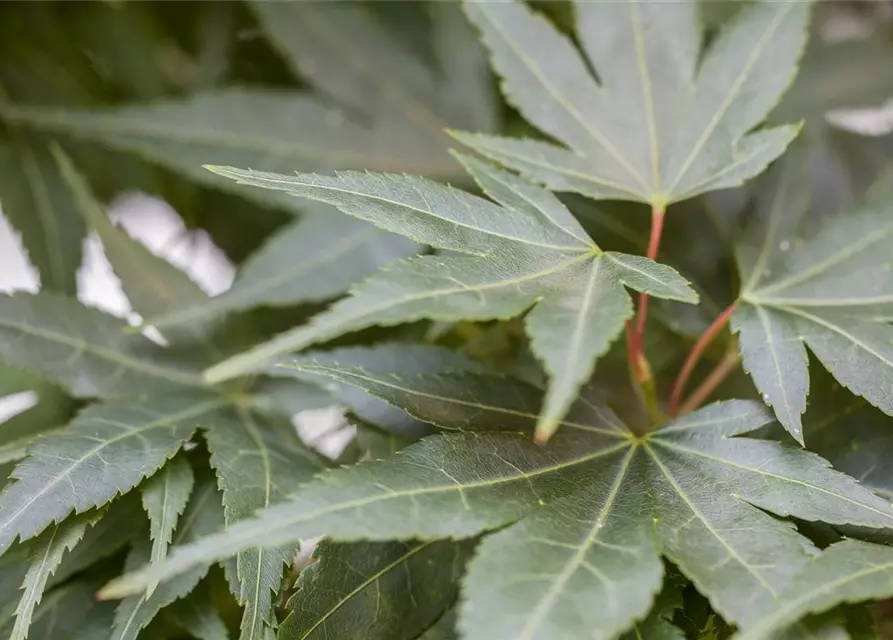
35 200
312 260
51 409
196 614
88 352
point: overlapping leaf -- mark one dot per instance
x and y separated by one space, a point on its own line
47 552
108 449
528 252
613 504
164 496
663 123
88 352
258 461
401 587
312 260
203 516
848 571
832 292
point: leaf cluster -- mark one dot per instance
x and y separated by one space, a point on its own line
602 292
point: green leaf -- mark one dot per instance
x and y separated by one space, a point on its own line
831 291
659 623
663 123
258 461
197 614
106 450
87 352
203 516
52 408
848 571
36 203
47 552
332 253
69 612
529 252
401 586
443 629
392 358
153 286
164 497
690 492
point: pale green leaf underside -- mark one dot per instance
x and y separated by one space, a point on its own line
663 123
105 451
848 571
698 486
528 251
401 587
832 292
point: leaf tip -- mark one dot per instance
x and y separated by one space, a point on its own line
544 430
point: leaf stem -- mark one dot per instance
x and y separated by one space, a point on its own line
638 364
694 357
722 370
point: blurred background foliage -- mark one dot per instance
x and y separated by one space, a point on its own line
141 94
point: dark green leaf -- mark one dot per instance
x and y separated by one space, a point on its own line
690 491
401 587
108 449
849 571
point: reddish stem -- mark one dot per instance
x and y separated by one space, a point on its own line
694 357
636 335
722 370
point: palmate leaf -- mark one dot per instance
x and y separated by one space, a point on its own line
203 516
663 123
594 509
47 552
832 292
36 202
402 587
258 461
106 450
848 571
528 252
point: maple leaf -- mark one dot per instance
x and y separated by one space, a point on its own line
831 290
585 518
528 252
663 123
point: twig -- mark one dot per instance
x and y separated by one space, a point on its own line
695 355
722 370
